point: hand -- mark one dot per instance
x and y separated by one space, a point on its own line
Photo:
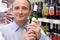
29 35
35 27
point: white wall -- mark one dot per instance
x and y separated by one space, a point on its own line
38 0
3 7
59 1
33 1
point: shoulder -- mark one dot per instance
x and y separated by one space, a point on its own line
1 37
6 30
5 27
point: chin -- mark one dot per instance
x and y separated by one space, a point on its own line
21 20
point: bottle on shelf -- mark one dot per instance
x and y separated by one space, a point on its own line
49 2
58 32
47 12
46 1
55 2
49 31
39 10
58 35
59 12
53 32
44 11
51 12
56 8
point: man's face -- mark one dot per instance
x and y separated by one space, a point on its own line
21 10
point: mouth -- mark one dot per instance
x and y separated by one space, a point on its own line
20 16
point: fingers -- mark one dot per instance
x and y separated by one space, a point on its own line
29 36
33 32
32 35
35 21
35 27
30 32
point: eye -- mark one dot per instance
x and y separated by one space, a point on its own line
16 8
24 8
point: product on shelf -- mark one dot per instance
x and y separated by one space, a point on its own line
58 35
39 10
47 12
51 12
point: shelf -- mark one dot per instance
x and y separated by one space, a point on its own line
53 21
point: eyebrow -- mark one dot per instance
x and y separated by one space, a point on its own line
25 7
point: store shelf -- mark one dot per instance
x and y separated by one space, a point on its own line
49 21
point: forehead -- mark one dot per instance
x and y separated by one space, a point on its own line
21 2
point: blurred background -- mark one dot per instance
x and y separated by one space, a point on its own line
48 12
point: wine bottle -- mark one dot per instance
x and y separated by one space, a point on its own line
49 32
34 13
51 12
55 33
47 12
39 10
44 11
59 32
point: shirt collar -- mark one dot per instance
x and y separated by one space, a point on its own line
16 27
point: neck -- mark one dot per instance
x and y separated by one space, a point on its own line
22 23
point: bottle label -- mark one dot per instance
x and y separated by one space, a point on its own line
35 7
46 13
51 11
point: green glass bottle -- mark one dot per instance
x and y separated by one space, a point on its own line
34 13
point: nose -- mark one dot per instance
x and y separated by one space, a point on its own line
20 11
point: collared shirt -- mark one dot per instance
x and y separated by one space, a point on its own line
12 31
1 37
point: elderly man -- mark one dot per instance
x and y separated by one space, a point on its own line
20 29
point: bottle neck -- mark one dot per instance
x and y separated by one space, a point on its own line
35 7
